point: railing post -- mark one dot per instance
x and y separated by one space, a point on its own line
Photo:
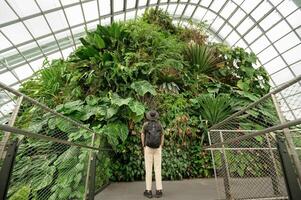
273 168
226 168
87 185
10 123
290 144
7 168
92 177
290 178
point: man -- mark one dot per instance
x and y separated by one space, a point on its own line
152 142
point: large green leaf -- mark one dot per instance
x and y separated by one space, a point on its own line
111 111
22 194
243 85
65 125
98 41
142 87
117 100
137 107
68 159
92 100
44 178
115 130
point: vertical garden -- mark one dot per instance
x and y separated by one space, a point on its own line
125 69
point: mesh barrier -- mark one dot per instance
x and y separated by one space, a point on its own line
52 160
248 169
48 170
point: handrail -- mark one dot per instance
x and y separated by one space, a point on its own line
257 133
44 137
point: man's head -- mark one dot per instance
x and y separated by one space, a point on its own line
152 115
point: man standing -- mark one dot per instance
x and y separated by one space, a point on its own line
152 142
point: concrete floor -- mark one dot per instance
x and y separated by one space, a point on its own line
194 189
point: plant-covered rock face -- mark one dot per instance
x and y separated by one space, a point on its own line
123 70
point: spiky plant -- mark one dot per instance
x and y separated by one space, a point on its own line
201 58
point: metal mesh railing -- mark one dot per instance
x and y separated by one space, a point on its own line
248 169
243 146
48 170
54 151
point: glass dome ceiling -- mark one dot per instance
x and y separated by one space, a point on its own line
32 30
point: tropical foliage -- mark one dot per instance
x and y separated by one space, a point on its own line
120 72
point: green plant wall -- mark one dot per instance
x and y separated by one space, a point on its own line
125 69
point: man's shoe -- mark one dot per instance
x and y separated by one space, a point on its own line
148 194
159 193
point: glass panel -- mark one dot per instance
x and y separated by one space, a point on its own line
189 11
287 42
275 65
277 31
260 44
118 5
241 43
282 76
16 33
66 2
4 42
253 34
248 6
24 9
37 64
200 12
131 3
37 26
291 56
206 3
297 68
216 5
140 12
7 78
104 7
118 18
230 7
6 14
261 10
233 37
153 1
180 9
130 15
225 31
23 72
294 19
90 10
142 2
270 20
218 23
245 25
74 15
235 19
171 9
267 54
286 7
47 5
57 20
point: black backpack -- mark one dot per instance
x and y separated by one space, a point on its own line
153 131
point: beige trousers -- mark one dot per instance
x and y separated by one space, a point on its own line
152 156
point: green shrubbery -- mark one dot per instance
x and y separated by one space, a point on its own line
125 69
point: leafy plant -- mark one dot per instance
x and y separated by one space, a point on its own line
201 58
214 108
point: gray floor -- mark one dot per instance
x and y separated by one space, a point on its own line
194 189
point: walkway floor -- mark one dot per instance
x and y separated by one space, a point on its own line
194 189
